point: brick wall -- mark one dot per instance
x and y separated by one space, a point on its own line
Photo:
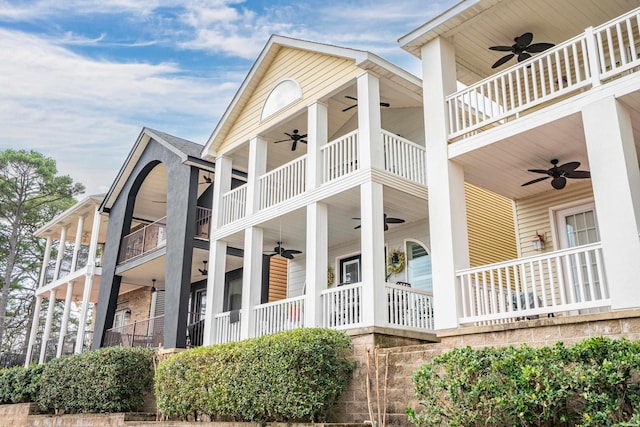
138 301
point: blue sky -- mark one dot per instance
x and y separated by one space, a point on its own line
80 78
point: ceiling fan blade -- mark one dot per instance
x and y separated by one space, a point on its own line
394 220
386 227
282 140
294 145
501 48
286 255
303 141
289 135
535 180
356 219
293 251
524 56
502 60
351 97
539 47
524 40
544 171
303 136
385 104
559 182
569 167
356 227
578 174
349 108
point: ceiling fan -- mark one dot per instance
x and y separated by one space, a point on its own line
285 253
522 47
204 270
387 221
295 137
559 174
382 104
207 179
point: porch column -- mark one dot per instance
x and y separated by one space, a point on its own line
34 328
215 290
47 325
45 262
613 163
317 262
222 184
374 304
251 279
63 238
447 210
77 243
371 151
317 137
257 168
65 318
88 281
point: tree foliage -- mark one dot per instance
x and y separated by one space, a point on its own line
31 194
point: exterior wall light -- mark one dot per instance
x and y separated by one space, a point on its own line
538 242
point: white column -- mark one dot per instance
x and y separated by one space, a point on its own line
47 325
65 318
45 262
371 153
34 328
615 180
88 281
251 279
77 243
447 211
63 238
215 289
317 137
317 262
372 254
222 177
257 168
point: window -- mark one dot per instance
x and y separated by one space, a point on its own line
350 270
283 94
418 266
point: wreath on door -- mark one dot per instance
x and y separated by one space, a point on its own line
396 261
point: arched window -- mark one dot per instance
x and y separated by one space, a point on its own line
418 266
283 94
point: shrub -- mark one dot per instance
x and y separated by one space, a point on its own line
107 380
289 377
594 383
19 385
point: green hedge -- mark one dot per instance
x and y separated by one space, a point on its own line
107 380
290 377
19 385
594 383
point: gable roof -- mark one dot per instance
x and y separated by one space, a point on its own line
362 59
187 151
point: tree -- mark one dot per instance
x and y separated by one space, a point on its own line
31 194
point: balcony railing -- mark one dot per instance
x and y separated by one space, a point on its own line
279 316
341 306
599 54
145 240
225 329
404 158
340 157
195 330
143 333
203 222
234 204
562 281
283 183
409 308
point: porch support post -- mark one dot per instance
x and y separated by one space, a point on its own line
88 281
613 163
215 290
447 210
63 238
317 262
371 151
222 184
317 137
251 279
47 326
257 168
34 328
45 262
77 243
374 304
65 318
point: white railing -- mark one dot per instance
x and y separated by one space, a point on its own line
409 308
225 331
561 281
283 183
404 158
279 316
341 306
340 157
234 204
601 53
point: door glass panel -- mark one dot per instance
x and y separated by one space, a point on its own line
350 270
581 229
418 266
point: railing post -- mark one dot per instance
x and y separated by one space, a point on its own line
593 56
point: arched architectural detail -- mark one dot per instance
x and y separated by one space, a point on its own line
283 94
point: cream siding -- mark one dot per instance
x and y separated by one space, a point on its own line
317 75
533 214
492 236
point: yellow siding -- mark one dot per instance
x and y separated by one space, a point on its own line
491 228
533 214
317 75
